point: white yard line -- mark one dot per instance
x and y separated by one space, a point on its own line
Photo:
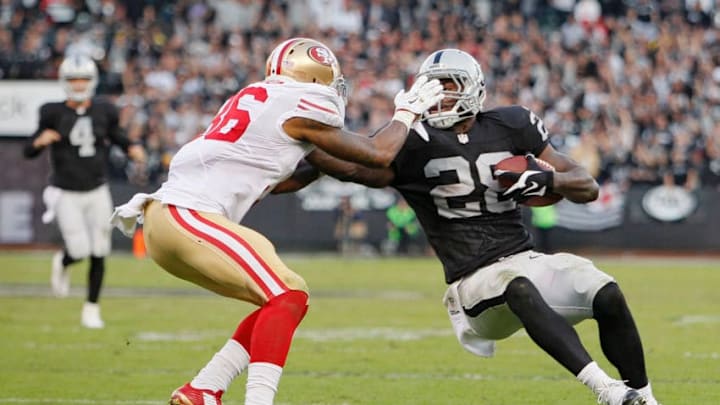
695 319
78 401
16 400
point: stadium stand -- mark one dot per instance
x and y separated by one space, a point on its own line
631 88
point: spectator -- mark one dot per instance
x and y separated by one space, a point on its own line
350 229
641 67
403 229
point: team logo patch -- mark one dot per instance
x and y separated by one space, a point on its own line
463 138
321 55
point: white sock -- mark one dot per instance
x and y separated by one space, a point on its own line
225 365
646 392
594 377
262 383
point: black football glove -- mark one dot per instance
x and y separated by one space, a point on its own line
533 182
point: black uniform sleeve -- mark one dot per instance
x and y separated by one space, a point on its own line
115 132
532 136
46 122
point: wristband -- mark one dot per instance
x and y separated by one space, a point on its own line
404 116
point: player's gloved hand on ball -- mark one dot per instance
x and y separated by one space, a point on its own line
533 182
422 95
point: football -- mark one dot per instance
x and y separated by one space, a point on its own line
518 164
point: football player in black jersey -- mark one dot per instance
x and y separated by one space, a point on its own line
78 132
497 282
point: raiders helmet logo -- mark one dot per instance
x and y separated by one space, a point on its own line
321 55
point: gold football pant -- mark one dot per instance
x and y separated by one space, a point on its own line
215 253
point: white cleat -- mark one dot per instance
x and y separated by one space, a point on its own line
91 316
59 277
616 393
651 401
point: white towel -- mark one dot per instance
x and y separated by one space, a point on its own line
51 195
127 216
465 334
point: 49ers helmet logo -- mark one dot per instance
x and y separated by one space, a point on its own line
321 55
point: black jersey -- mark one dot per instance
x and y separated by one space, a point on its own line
447 179
80 159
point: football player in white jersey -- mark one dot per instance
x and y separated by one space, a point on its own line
191 224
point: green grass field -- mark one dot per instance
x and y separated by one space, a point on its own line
376 333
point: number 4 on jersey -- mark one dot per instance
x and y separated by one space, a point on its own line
82 135
231 121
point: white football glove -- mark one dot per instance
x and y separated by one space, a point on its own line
422 95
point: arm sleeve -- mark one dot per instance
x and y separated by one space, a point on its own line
31 151
321 104
115 132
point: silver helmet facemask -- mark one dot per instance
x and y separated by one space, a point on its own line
78 67
465 72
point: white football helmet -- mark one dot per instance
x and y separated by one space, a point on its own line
78 67
306 60
467 75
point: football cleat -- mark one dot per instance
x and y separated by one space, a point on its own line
189 395
633 397
91 316
617 393
59 277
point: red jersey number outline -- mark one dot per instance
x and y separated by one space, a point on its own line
229 126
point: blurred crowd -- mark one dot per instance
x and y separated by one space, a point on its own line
630 88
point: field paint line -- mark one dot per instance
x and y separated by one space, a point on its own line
184 336
702 356
695 319
120 402
472 377
43 290
319 335
315 335
78 401
351 334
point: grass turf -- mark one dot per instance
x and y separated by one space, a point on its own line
376 333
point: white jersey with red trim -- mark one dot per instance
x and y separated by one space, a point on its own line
245 152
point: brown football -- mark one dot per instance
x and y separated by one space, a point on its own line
518 164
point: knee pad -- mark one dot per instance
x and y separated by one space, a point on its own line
77 246
609 301
520 288
294 301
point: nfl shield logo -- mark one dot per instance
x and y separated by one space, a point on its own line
463 138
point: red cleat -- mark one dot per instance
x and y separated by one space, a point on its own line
188 395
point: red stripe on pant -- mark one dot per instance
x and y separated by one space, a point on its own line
244 243
223 247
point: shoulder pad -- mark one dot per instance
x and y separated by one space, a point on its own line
513 116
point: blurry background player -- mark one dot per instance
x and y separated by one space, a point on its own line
403 233
256 140
78 132
497 282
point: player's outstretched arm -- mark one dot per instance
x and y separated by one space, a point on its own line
349 171
380 149
304 174
571 180
319 162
